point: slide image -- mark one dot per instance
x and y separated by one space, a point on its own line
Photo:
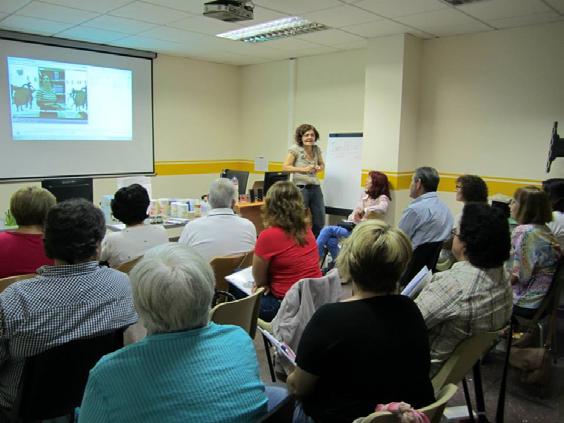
47 94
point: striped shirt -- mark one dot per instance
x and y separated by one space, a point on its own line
61 304
460 302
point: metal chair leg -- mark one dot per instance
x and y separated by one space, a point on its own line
468 400
479 392
500 414
268 357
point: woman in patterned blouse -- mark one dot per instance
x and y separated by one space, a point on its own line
534 250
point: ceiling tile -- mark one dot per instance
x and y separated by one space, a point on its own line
10 6
499 9
444 22
171 34
128 26
149 13
55 13
93 35
557 4
314 51
330 37
299 7
101 6
526 20
33 25
292 43
338 17
195 7
204 25
395 8
353 45
377 28
148 44
263 15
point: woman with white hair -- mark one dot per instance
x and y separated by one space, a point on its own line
370 349
186 369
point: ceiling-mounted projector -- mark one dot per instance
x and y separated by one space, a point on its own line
229 10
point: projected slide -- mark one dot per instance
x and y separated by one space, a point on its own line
65 101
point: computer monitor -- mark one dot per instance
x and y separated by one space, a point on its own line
270 178
65 189
242 178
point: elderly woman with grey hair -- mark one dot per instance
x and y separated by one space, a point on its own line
186 369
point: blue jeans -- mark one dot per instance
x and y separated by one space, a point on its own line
300 416
275 394
329 237
269 306
313 199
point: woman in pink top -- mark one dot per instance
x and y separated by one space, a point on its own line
285 251
373 203
21 250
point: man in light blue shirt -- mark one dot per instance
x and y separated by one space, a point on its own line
427 218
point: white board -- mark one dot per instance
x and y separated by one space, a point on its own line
343 172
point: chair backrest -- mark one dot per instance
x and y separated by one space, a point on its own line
552 298
424 255
6 282
242 312
53 382
434 411
463 358
226 265
128 266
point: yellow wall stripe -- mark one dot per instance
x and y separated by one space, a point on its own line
398 180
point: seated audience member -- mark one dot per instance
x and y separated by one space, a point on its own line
375 200
367 350
75 298
286 250
221 232
129 206
469 189
475 294
427 218
186 369
534 250
21 250
555 190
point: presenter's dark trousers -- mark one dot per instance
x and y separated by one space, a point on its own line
313 199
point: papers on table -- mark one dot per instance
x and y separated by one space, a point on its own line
281 347
418 282
242 279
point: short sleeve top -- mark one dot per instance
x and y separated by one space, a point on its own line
21 253
302 161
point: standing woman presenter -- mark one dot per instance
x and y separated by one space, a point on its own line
305 160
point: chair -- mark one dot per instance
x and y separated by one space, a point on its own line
465 357
6 282
53 381
226 265
129 265
424 255
242 312
433 411
548 305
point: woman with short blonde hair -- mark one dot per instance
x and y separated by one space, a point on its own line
535 251
370 349
285 251
21 250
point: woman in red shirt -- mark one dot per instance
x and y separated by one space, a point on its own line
21 250
286 250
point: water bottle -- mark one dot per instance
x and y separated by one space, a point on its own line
235 183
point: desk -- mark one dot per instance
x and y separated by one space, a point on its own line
251 211
174 227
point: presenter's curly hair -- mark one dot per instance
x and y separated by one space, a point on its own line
130 204
284 208
73 230
301 130
380 185
484 230
473 189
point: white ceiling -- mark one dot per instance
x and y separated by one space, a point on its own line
177 27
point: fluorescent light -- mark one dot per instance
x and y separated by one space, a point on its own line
280 28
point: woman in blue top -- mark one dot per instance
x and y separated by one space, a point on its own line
186 369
